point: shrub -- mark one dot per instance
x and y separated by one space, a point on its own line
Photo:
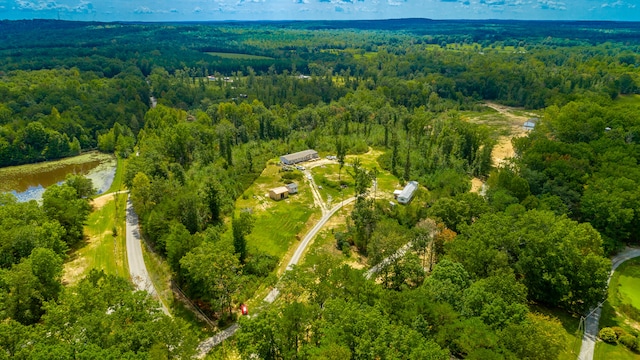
261 264
620 332
629 341
608 335
289 177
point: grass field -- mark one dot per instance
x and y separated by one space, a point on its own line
606 351
629 284
500 125
387 182
327 176
276 222
239 56
628 99
101 250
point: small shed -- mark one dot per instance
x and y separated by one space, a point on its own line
279 193
292 187
530 124
396 193
407 193
300 156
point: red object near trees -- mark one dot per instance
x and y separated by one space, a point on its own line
244 309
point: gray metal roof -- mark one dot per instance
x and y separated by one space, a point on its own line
408 190
300 154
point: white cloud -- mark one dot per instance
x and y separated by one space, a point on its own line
143 10
551 5
618 4
82 7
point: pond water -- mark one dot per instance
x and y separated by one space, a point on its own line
28 182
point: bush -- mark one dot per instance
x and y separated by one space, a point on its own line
608 335
629 341
620 332
291 176
342 242
260 264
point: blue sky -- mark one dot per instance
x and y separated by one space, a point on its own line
181 10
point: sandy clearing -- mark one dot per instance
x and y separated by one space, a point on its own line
476 185
504 146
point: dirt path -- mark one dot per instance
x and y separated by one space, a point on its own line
101 201
504 147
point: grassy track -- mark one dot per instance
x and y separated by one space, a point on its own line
161 277
102 250
118 178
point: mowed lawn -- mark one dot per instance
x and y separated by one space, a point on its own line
102 250
624 289
387 182
328 177
629 283
276 222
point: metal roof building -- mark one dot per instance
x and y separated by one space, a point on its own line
300 156
407 193
530 124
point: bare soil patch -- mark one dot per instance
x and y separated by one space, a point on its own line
504 147
101 201
476 185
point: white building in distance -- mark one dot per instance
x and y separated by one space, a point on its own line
406 194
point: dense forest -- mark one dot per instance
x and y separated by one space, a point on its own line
231 97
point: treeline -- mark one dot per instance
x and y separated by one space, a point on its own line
583 158
82 78
343 315
49 114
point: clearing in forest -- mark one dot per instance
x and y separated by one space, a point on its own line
277 222
101 249
508 124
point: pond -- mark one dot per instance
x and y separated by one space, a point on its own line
28 182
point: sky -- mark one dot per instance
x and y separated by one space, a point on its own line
215 10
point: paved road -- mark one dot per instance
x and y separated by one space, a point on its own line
137 268
211 342
592 320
